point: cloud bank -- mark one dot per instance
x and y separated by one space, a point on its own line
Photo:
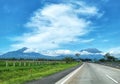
58 24
70 52
115 51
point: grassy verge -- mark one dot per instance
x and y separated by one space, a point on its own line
19 75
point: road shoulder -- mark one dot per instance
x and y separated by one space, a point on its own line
52 79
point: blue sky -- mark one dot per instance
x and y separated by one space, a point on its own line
43 25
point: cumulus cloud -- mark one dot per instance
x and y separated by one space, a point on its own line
115 51
57 24
28 50
58 52
89 53
62 52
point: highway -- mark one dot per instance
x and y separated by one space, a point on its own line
91 73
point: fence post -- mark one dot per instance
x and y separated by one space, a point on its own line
24 63
29 63
6 64
20 63
36 63
14 64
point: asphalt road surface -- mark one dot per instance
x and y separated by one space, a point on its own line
90 73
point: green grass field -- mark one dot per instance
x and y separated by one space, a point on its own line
20 72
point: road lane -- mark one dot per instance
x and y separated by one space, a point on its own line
92 73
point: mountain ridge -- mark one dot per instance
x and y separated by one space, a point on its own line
92 53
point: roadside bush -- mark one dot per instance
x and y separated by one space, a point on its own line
68 59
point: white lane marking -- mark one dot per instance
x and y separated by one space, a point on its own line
111 78
74 72
70 75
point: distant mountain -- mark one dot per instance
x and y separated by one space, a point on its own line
91 50
92 53
21 54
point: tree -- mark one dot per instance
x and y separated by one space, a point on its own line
108 57
77 54
68 59
102 60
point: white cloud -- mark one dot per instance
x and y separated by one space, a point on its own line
105 40
58 52
57 24
85 53
87 40
31 50
115 51
89 53
68 52
61 52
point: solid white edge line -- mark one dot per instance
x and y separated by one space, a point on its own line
74 72
71 74
111 78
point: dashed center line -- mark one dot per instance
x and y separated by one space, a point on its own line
112 79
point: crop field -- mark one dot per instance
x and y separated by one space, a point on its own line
18 72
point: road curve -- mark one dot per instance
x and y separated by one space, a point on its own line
91 73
